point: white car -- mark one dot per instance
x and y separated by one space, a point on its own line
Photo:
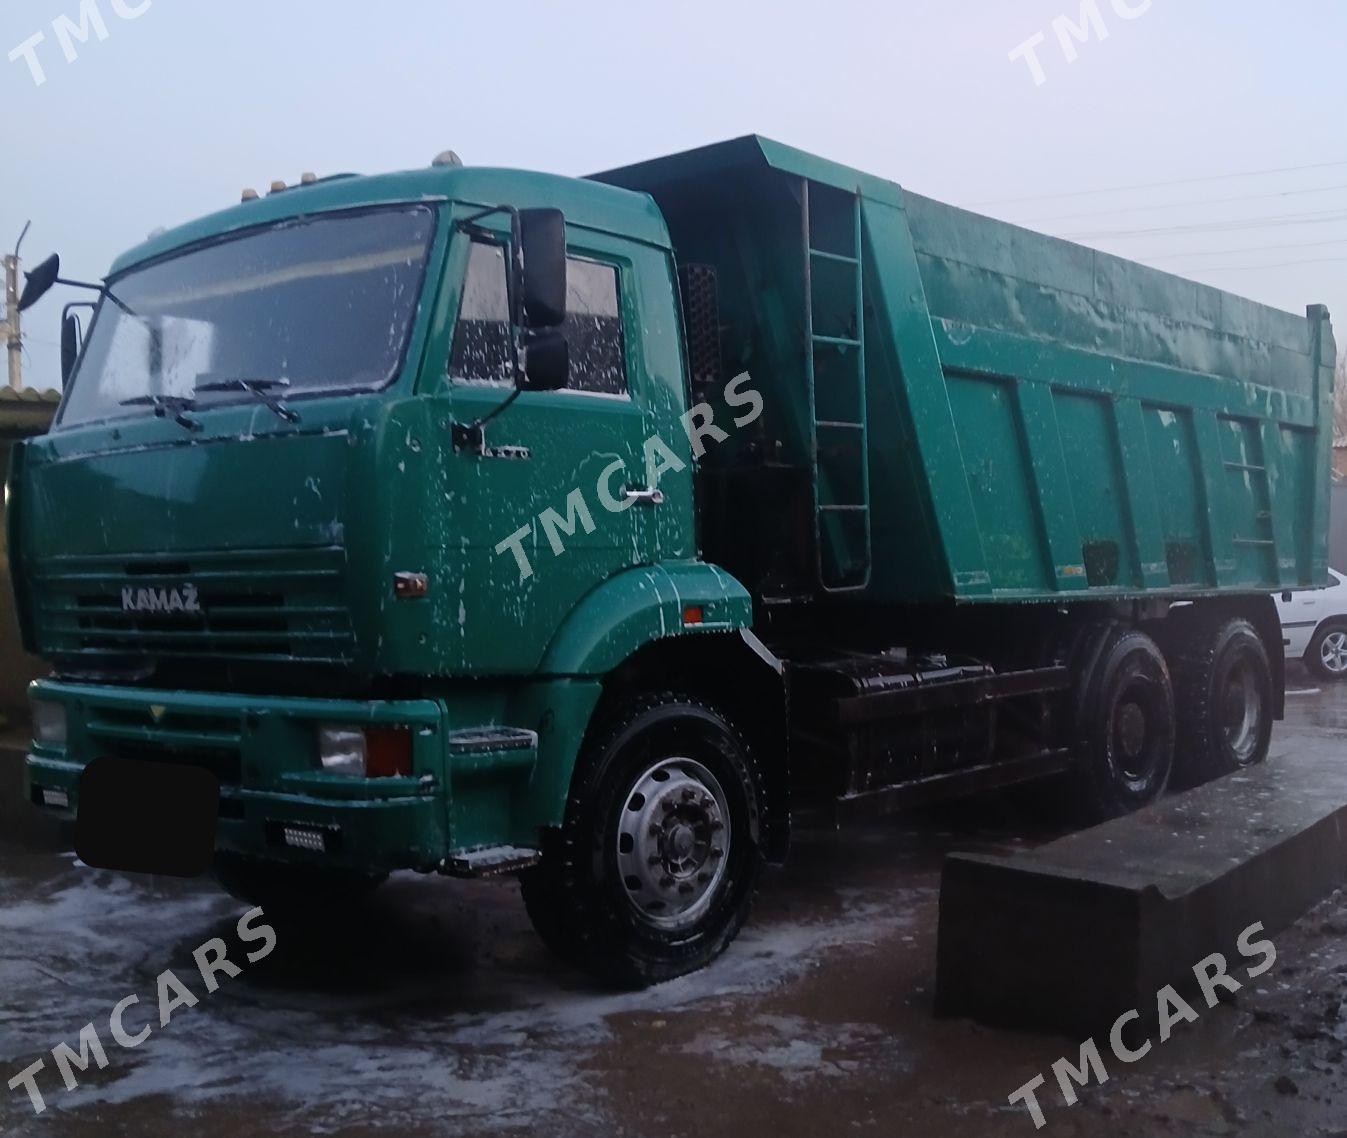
1314 626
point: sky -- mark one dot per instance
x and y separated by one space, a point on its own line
1217 128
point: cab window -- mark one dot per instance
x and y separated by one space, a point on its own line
481 352
593 327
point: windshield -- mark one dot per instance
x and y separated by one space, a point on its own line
321 304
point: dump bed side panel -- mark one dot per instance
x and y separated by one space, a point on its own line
1142 431
999 276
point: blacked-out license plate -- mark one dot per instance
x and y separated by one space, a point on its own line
140 817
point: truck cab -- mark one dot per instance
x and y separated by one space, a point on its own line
261 538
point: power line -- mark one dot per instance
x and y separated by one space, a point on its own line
1246 249
1160 185
1180 205
1276 265
1318 217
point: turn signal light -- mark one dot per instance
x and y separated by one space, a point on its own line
388 752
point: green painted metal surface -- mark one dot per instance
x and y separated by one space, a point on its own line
318 516
1043 421
985 415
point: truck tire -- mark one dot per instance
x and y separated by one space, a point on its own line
1326 656
1223 689
1125 725
282 889
653 871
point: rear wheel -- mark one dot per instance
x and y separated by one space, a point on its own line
1223 684
1327 654
1125 724
652 874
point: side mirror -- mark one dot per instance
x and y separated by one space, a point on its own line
547 361
38 283
70 346
542 249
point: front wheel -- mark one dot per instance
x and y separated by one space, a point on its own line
1327 655
653 872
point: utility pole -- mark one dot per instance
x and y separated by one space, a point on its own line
12 330
13 334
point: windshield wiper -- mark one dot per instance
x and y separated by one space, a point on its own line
166 406
259 389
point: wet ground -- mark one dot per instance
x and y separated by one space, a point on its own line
435 1011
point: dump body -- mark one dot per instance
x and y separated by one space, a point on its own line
978 412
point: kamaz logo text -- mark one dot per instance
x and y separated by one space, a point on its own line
167 601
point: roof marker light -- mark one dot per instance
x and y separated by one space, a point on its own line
250 195
447 158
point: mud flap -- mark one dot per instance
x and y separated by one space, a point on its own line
141 817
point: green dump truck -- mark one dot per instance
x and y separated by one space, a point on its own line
475 521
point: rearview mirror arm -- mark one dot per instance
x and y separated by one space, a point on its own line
103 289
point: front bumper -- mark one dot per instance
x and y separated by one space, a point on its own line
275 802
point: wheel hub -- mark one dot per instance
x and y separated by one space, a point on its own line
672 838
1334 652
1243 712
1136 727
1132 729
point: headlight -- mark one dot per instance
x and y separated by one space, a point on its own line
341 750
49 723
370 752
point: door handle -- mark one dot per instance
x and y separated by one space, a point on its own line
644 497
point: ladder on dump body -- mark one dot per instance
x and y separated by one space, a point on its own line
835 375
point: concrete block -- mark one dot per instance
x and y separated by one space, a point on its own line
1067 937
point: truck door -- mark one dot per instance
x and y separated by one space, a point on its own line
557 500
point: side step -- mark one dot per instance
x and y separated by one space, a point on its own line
1068 937
496 861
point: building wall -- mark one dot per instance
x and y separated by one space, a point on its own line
16 669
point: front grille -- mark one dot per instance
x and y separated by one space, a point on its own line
262 604
212 742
